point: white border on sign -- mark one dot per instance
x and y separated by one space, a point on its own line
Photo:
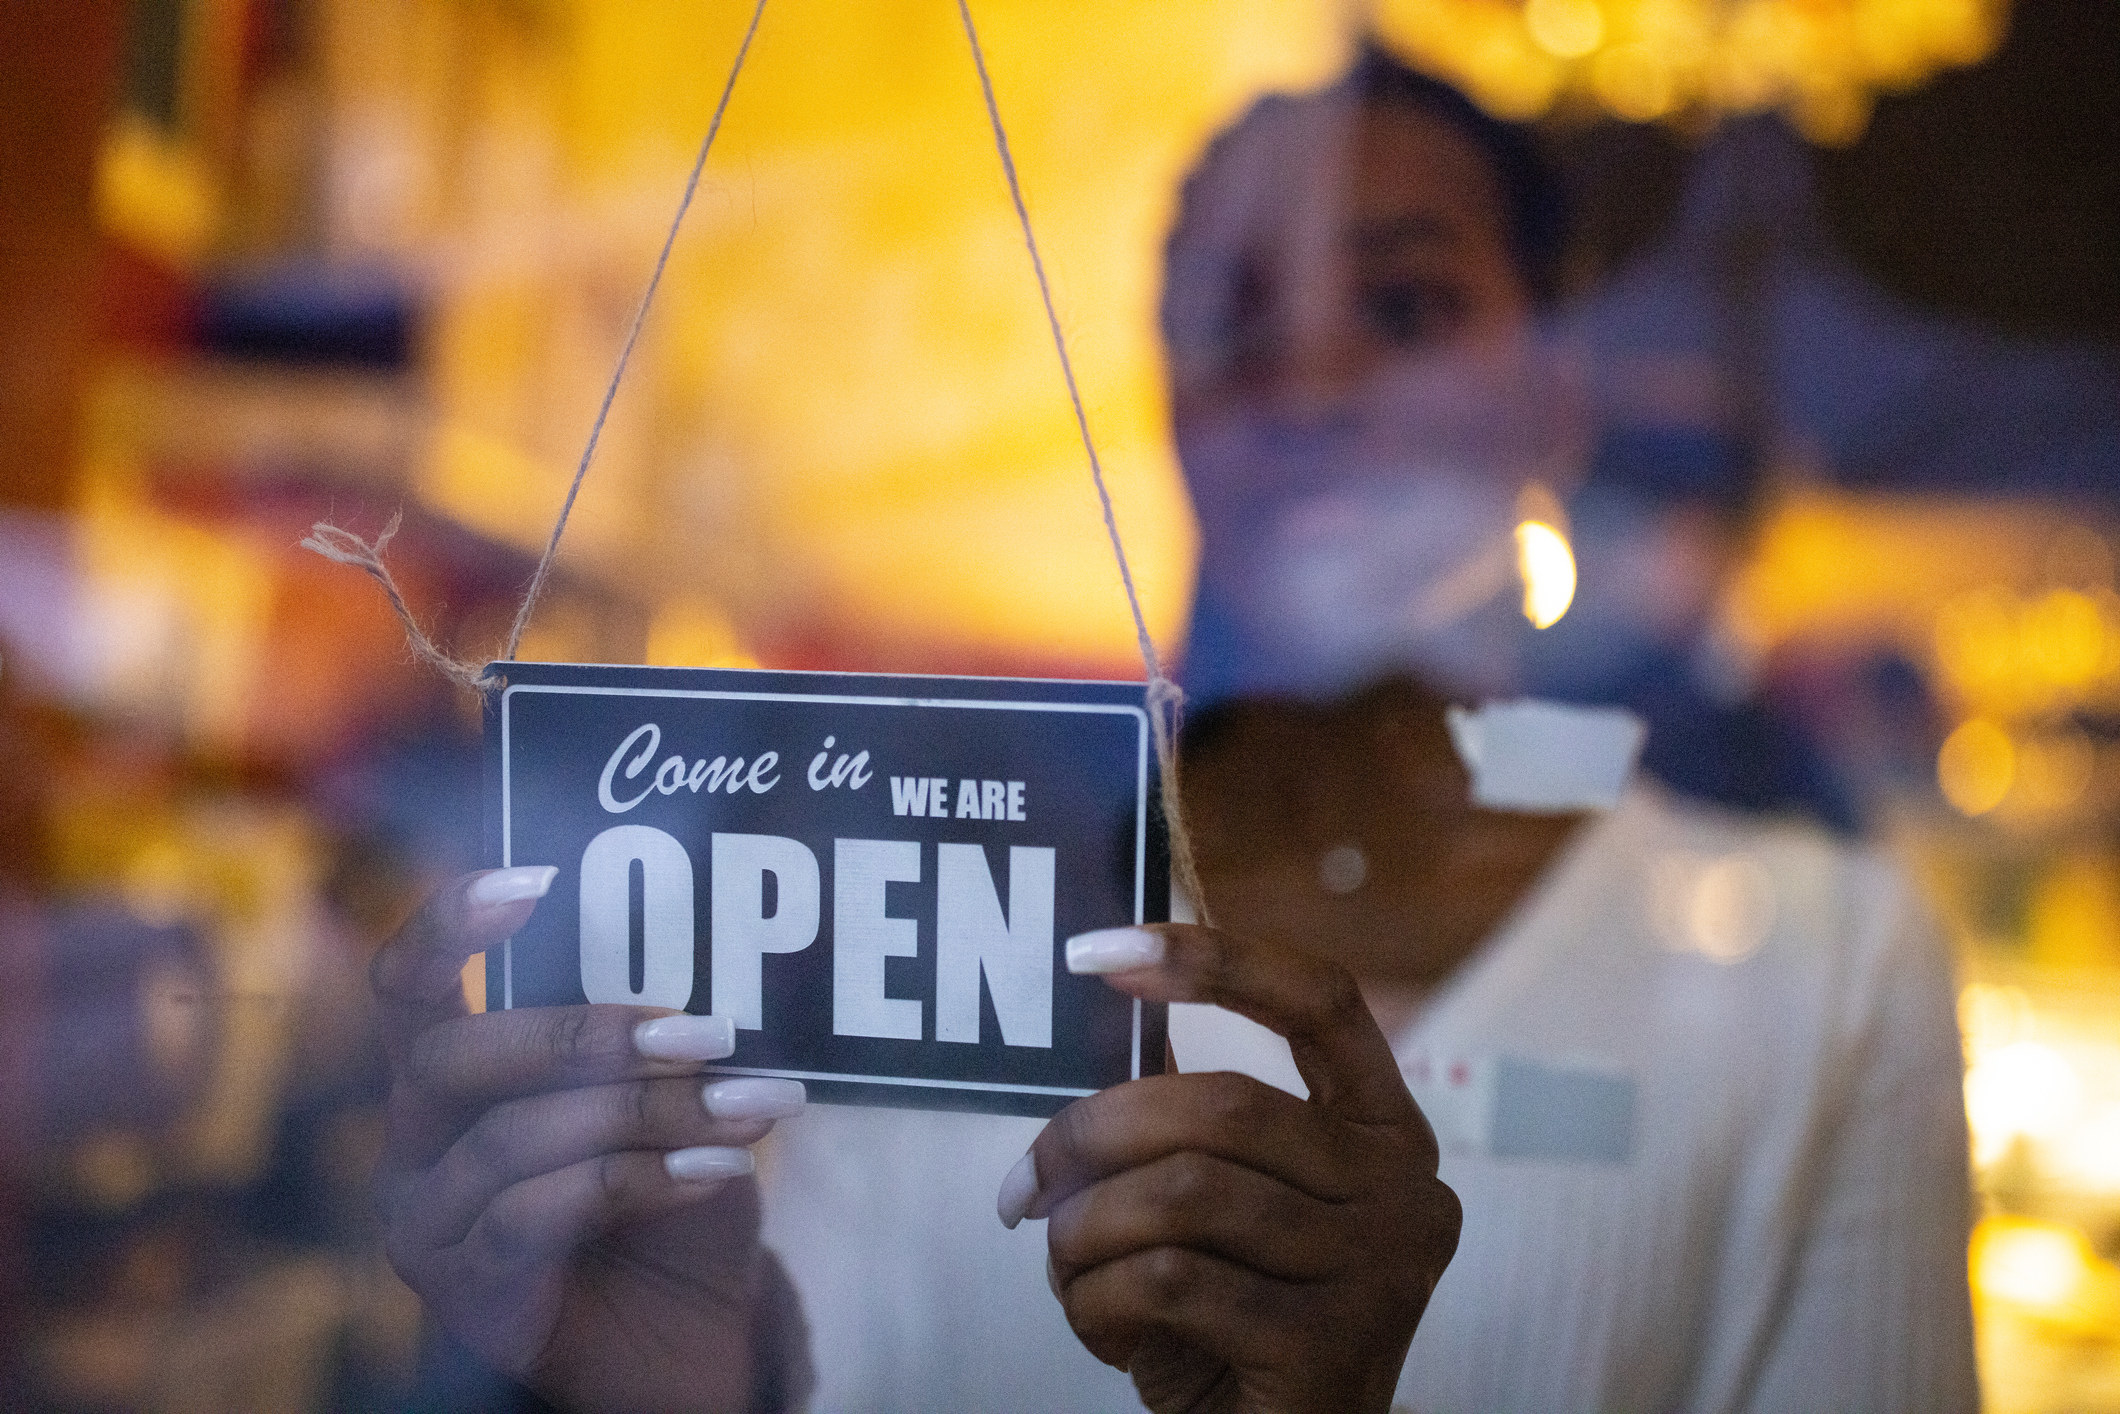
974 704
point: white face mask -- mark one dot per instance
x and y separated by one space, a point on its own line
1375 532
1415 574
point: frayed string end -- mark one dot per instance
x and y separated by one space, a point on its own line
343 547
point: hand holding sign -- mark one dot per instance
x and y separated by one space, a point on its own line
561 1191
1231 1246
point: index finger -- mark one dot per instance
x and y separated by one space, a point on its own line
1338 1047
417 977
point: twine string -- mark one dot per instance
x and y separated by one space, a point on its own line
625 353
1163 697
346 548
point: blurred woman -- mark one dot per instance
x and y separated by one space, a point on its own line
1695 1073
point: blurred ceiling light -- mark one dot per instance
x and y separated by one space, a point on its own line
1976 766
1634 82
2025 1089
1548 569
1822 62
1566 29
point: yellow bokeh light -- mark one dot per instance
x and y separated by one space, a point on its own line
1976 766
1634 82
156 193
1548 569
2064 637
1822 62
2025 1089
2089 1153
2053 771
2041 1265
2072 913
1510 76
1566 29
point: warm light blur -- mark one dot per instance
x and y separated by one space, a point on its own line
2025 1089
1566 29
1547 566
1976 766
844 422
689 632
2064 636
1820 61
2036 1264
2087 1155
2053 772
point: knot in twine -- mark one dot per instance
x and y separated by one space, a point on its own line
346 548
1166 711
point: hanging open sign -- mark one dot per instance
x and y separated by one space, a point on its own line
872 876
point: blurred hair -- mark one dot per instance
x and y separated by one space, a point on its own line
1533 204
1534 207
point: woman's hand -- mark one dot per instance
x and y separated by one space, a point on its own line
1233 1247
561 1192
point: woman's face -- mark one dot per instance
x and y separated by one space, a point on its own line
1359 397
1338 259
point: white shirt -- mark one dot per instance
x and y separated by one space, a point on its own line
1700 1098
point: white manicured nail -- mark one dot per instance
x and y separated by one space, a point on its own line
685 1038
1113 950
707 1164
754 1099
1018 1191
525 881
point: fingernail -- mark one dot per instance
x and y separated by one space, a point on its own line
1018 1191
1113 950
685 1038
754 1099
1052 1274
525 881
707 1163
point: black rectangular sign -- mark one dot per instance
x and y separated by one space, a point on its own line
874 876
